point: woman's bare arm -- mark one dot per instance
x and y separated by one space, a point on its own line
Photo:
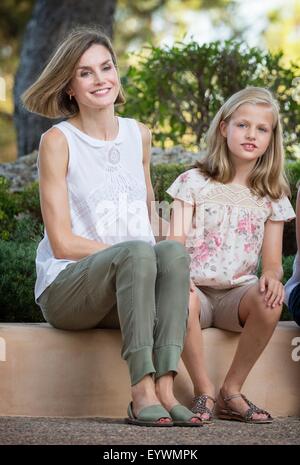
53 163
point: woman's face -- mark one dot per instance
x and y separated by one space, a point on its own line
95 83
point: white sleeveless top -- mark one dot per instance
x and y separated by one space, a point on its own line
107 194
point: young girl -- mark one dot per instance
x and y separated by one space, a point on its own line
98 262
292 287
228 211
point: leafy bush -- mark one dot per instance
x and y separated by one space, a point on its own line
293 173
20 214
9 207
30 200
164 175
17 279
177 90
21 217
21 230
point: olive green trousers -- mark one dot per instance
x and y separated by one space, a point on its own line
139 288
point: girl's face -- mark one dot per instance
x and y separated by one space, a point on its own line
248 132
95 82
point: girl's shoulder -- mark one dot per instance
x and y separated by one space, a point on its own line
281 209
193 176
188 185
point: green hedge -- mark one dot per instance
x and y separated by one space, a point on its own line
17 279
24 206
163 176
21 230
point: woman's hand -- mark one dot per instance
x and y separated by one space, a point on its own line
273 289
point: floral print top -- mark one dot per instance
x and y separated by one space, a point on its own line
227 231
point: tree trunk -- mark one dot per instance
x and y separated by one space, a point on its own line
49 23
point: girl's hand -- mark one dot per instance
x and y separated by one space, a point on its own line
273 289
192 286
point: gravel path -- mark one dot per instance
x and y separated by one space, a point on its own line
103 431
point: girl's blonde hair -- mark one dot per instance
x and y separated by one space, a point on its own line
267 177
48 96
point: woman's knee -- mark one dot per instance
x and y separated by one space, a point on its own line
138 249
171 251
141 254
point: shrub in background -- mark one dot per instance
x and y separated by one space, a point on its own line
177 90
22 229
17 279
10 206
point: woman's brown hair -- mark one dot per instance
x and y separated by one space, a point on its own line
48 96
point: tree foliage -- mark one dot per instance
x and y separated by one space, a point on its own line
177 90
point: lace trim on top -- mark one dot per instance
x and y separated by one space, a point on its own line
233 195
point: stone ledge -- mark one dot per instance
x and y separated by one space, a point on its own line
49 372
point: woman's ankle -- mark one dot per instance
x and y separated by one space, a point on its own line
164 391
205 388
144 392
229 389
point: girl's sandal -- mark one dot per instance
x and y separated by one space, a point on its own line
199 407
226 413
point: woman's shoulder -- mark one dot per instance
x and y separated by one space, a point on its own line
53 137
53 149
143 129
145 132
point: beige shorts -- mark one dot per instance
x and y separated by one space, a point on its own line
220 307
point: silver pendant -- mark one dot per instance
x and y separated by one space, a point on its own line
114 156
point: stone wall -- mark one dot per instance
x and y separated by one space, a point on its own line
24 169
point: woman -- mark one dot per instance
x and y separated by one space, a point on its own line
98 258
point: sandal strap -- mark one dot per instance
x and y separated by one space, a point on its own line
232 396
253 409
199 404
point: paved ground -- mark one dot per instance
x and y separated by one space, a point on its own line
103 431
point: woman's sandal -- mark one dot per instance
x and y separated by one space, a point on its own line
182 416
199 407
154 415
226 413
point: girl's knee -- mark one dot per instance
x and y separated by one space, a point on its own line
259 307
194 309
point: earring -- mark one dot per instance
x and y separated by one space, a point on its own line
70 96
